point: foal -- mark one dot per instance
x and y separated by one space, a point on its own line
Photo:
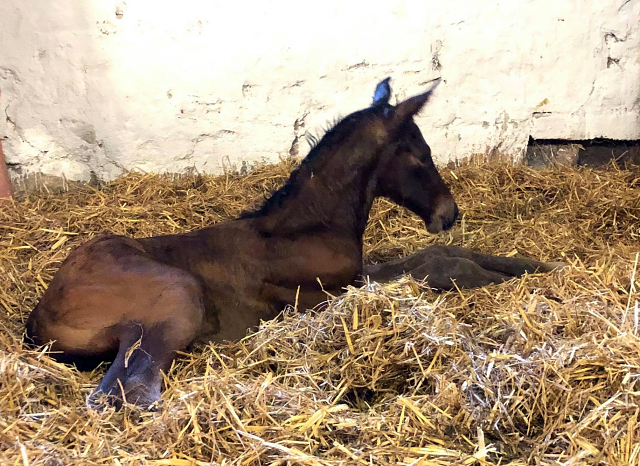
137 301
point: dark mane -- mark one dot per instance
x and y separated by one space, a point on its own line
314 139
319 147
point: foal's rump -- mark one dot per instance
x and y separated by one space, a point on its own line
106 285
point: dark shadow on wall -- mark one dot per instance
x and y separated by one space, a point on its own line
589 152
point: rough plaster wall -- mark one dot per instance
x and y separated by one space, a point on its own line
108 86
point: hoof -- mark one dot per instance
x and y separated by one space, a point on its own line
549 266
140 399
99 401
556 265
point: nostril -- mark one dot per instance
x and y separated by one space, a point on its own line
446 213
448 222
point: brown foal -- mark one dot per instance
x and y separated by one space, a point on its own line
137 302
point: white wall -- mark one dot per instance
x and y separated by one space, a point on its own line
153 85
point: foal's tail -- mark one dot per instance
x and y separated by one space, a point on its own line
30 338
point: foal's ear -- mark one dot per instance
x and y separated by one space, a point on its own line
413 105
383 92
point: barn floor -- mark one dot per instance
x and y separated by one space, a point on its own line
540 370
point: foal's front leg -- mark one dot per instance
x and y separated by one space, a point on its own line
440 266
437 270
510 266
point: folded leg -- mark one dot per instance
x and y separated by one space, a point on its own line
439 266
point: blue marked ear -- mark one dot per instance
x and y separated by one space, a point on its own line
383 92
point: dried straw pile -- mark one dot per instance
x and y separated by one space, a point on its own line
543 370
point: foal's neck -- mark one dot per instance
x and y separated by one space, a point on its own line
329 193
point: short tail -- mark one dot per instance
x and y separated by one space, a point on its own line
83 362
30 338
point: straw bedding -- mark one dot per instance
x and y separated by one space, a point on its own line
540 370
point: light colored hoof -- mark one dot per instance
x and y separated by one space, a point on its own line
556 265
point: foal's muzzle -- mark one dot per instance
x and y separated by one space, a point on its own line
444 216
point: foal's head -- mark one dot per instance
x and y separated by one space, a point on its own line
378 151
405 172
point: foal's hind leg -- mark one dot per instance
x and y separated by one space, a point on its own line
146 349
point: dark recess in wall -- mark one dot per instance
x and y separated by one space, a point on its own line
590 152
